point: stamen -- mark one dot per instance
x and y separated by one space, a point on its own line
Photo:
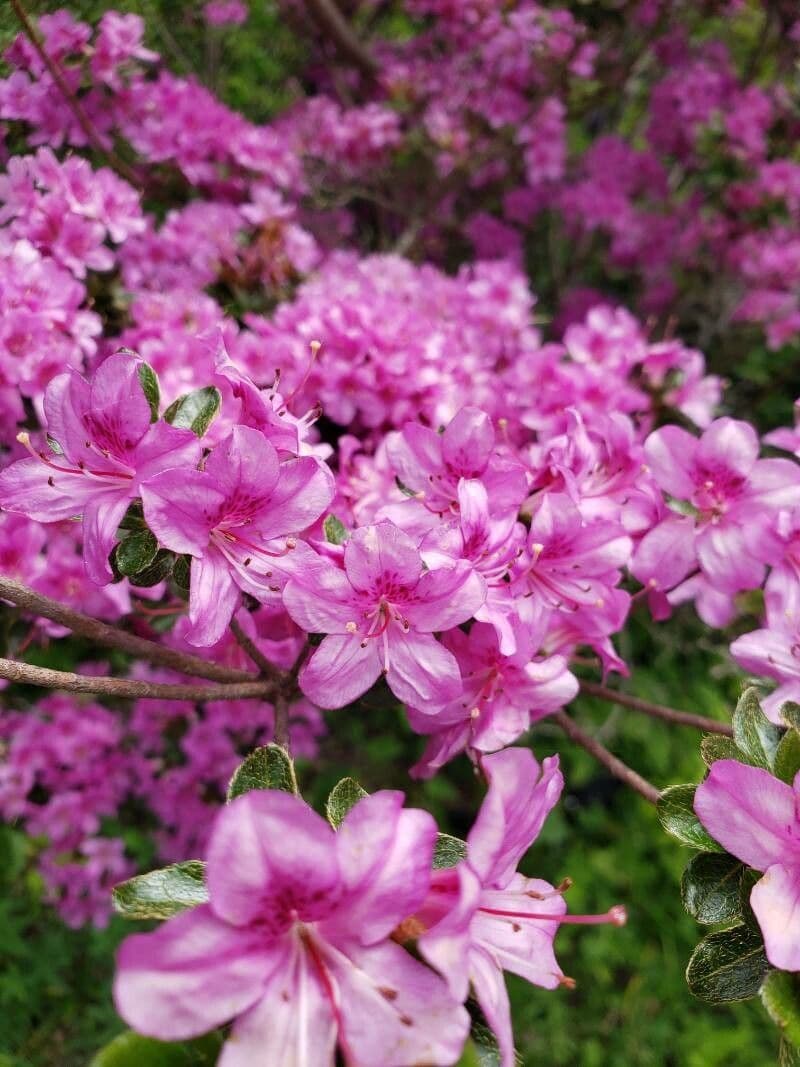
616 916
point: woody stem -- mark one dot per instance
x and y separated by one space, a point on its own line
656 711
619 769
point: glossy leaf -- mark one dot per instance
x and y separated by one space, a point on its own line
676 812
448 851
787 758
790 713
754 734
728 965
158 571
162 893
710 888
336 532
195 411
269 767
716 746
148 380
136 552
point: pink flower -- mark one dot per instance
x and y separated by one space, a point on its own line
238 518
106 445
501 696
755 817
294 942
733 497
483 917
381 612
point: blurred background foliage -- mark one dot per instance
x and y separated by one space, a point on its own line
631 1006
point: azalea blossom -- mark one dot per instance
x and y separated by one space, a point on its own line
294 943
238 518
482 917
756 817
104 445
380 612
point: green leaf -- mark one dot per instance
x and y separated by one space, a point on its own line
676 812
181 572
710 888
136 552
162 893
780 995
344 795
790 713
728 965
54 446
335 531
133 1050
148 379
788 1054
716 746
787 758
158 571
269 767
195 411
448 851
754 734
470 1057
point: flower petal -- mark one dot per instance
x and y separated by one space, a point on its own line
269 854
775 900
445 597
304 489
213 598
670 454
181 507
341 669
749 812
193 973
519 799
381 555
421 671
102 515
492 995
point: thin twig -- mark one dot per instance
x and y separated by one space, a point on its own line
330 19
657 711
27 674
112 637
619 769
265 668
74 104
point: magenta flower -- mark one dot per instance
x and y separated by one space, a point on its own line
733 496
381 612
483 917
106 445
294 944
501 697
238 518
774 651
757 819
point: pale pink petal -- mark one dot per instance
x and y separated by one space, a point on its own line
213 598
421 671
341 669
467 442
381 556
750 813
665 555
118 411
66 401
102 515
519 799
775 483
394 1009
414 453
181 507
445 597
490 990
164 447
244 463
253 866
30 488
726 562
446 945
768 652
729 443
304 489
670 454
292 1025
321 599
190 975
385 854
775 900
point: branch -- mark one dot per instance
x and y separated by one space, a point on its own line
265 668
74 104
333 23
112 637
657 711
619 769
27 674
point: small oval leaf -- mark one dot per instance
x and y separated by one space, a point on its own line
780 995
335 531
344 795
787 758
195 411
676 812
716 746
728 965
162 893
710 888
448 851
134 1050
268 767
158 571
148 379
754 734
136 552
